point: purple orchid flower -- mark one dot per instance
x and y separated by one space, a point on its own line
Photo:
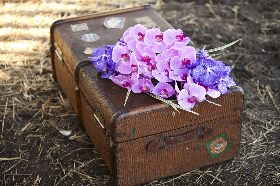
125 37
138 32
179 74
162 76
154 40
145 54
135 35
190 95
120 54
175 38
161 73
163 90
225 83
99 59
212 74
125 81
165 56
146 70
127 67
214 93
143 86
102 60
186 58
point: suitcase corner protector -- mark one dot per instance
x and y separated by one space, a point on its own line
55 24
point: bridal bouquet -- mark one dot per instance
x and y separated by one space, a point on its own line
164 66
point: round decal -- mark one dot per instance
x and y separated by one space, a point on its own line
218 145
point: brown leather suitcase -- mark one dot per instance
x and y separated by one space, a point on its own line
145 140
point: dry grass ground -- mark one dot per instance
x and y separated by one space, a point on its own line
33 111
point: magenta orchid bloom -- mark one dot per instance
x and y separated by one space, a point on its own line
163 90
146 70
144 54
186 58
127 67
161 73
179 74
162 76
213 93
143 86
162 63
154 39
126 37
120 54
134 35
138 32
190 95
175 38
125 81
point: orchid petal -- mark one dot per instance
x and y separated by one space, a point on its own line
213 93
198 91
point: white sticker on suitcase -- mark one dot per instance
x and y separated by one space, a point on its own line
114 22
90 37
79 27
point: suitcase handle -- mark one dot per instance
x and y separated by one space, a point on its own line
169 141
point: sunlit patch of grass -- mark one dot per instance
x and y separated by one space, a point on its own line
37 20
10 33
21 46
44 7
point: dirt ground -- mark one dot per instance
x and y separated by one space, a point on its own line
32 110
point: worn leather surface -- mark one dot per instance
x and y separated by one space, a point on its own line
122 143
102 93
137 165
142 115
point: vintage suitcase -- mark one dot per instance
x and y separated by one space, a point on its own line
145 140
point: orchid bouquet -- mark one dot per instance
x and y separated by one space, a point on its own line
164 66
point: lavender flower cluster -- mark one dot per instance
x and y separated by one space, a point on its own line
162 63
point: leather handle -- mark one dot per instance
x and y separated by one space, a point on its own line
169 141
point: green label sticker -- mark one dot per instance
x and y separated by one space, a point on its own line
218 145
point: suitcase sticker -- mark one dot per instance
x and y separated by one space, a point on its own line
218 145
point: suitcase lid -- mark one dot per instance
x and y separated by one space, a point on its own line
142 115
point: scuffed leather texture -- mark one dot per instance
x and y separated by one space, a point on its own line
109 98
102 93
137 165
122 143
